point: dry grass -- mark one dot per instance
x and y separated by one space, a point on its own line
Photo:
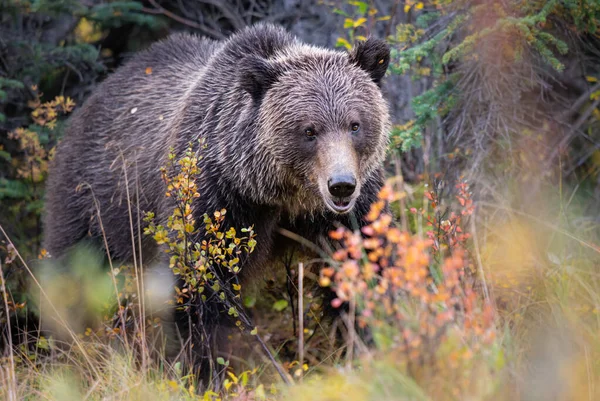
542 280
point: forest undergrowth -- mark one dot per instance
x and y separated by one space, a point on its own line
476 278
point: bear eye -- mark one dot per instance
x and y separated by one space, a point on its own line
355 127
310 133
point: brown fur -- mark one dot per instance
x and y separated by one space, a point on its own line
251 98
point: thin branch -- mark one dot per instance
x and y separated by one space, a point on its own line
574 128
12 380
303 241
301 316
231 16
579 102
486 291
158 9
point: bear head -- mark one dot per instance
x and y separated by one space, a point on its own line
322 120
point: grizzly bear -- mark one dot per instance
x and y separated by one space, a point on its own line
295 137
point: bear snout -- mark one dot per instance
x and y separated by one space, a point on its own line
342 185
341 192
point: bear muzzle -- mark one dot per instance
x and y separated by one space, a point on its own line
338 182
341 194
341 188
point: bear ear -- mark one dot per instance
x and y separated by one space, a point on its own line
373 56
257 75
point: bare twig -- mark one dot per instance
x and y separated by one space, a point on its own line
110 262
351 332
486 291
12 380
400 181
277 366
579 102
159 9
301 316
574 128
388 28
289 284
303 241
231 16
138 268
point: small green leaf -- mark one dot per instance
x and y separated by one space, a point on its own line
280 305
5 155
340 12
249 301
43 343
361 5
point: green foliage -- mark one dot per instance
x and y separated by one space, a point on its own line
50 49
427 107
454 32
118 13
433 336
6 84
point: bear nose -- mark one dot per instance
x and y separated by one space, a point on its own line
341 186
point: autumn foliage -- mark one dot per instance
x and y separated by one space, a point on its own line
400 281
199 265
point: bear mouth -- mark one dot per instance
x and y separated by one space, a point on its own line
340 205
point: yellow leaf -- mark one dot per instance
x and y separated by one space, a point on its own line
419 6
595 95
384 18
259 393
87 31
341 42
233 377
348 23
210 396
425 71
172 384
591 79
359 22
360 37
407 8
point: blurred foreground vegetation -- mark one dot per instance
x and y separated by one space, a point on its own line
484 284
